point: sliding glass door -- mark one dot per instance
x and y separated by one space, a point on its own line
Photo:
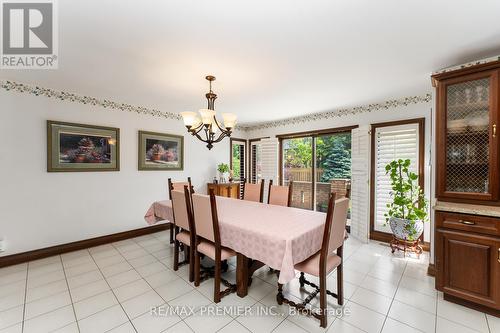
238 159
318 163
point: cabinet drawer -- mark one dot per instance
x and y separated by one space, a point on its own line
473 223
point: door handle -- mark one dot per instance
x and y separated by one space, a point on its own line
494 130
467 222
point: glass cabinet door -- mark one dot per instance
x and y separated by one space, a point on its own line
470 121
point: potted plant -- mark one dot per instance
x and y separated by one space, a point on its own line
157 151
223 168
408 209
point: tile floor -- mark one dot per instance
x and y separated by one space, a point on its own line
111 288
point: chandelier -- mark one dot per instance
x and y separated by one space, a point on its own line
205 125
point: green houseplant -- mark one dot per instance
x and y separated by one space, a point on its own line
223 169
408 209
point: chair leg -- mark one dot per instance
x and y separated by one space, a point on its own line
217 279
176 255
191 263
279 296
196 270
302 278
322 301
340 284
171 233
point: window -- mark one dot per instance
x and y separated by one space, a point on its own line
255 170
318 163
237 159
392 141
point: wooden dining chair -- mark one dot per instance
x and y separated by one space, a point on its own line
209 244
253 192
280 195
323 262
179 186
184 229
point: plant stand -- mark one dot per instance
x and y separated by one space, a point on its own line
404 245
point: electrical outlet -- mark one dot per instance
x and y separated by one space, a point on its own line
2 244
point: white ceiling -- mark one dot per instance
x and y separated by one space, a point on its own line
272 59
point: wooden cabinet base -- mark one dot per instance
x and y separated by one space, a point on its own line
471 305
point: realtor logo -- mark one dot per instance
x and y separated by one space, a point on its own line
29 34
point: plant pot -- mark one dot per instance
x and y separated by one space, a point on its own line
80 158
401 228
156 157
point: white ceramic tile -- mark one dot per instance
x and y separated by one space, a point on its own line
379 286
151 268
260 289
417 300
12 277
353 276
130 255
372 301
94 304
89 290
141 261
233 327
124 328
108 261
75 254
192 300
413 317
85 278
80 269
446 326
393 326
46 290
71 328
47 304
102 255
50 321
386 275
461 315
43 269
45 261
174 289
11 317
131 290
11 301
287 326
123 278
150 323
18 328
103 321
11 288
340 326
141 304
424 287
83 260
261 319
363 318
207 321
493 323
38 281
13 269
114 269
161 278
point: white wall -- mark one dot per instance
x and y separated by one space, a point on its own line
40 209
421 110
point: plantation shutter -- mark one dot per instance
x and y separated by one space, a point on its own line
360 200
391 143
269 157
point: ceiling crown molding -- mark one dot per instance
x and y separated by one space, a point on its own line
340 113
87 100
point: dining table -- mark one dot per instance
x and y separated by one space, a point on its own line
260 234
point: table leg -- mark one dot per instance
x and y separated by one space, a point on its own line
242 275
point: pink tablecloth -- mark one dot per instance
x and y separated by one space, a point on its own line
277 236
159 211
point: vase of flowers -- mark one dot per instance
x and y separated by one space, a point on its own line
157 152
223 169
408 208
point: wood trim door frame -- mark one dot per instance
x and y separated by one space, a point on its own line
313 134
245 142
379 235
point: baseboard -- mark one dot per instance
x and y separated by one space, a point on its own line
431 270
19 258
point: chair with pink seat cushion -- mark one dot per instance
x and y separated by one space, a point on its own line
185 230
280 195
209 243
178 186
324 261
253 192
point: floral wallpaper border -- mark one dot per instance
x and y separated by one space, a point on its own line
107 104
469 64
65 96
340 113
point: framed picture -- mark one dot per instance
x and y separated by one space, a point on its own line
159 151
77 147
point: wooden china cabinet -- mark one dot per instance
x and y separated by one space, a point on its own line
467 216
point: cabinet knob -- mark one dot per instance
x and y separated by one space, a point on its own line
467 222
